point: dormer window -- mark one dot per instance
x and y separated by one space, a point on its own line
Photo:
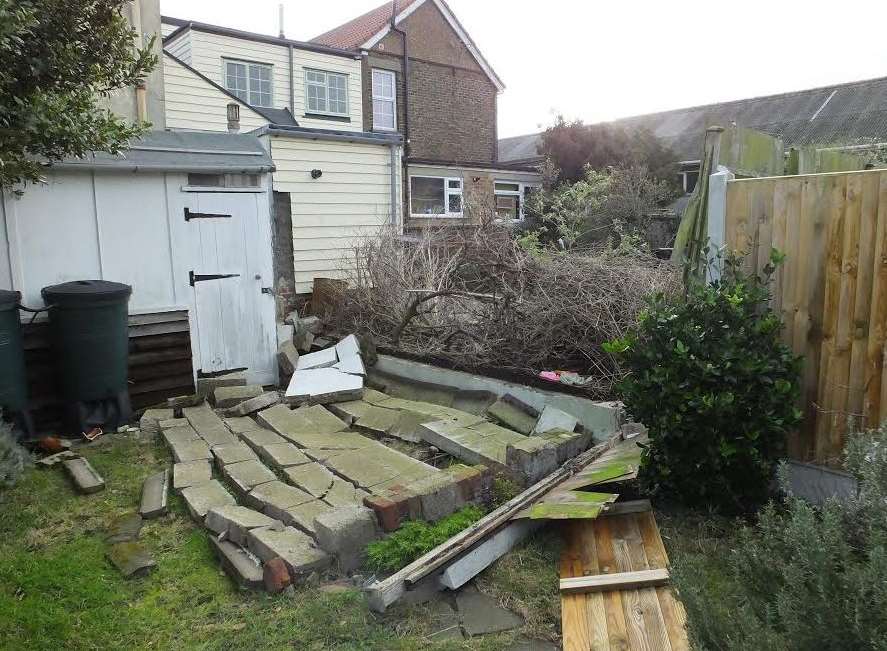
249 81
326 93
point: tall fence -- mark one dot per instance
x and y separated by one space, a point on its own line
831 291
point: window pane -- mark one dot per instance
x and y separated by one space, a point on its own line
235 79
507 187
508 207
455 203
383 114
383 84
427 196
454 184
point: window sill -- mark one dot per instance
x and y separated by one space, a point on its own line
323 116
216 188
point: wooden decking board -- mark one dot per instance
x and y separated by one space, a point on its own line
647 618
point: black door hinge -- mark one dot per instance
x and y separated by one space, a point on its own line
197 278
203 215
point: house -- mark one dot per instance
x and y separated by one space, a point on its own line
849 116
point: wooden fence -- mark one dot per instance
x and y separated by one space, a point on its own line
831 291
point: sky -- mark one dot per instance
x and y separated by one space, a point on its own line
597 61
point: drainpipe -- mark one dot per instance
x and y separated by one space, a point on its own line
292 88
395 221
141 88
406 104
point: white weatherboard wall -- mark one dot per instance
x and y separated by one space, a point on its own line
351 200
192 103
206 51
180 46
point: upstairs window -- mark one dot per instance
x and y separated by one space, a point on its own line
326 92
251 82
433 196
384 100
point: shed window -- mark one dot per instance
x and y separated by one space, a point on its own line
251 82
326 92
510 199
433 196
384 100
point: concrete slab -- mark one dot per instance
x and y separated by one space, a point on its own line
232 453
343 493
132 559
238 564
217 436
203 497
311 477
353 365
531 459
374 397
206 386
149 423
202 417
345 532
182 434
259 438
305 420
321 359
236 522
125 528
509 411
482 615
242 424
350 411
253 405
225 397
84 476
364 472
283 455
155 491
439 495
296 549
302 516
174 422
190 451
553 418
348 347
246 475
191 473
287 356
378 420
274 498
323 386
407 426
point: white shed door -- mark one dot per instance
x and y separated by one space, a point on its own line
232 275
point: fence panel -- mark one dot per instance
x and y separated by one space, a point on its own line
831 291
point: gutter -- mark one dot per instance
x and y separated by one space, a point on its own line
321 134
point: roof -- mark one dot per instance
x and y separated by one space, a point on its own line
842 114
189 151
365 31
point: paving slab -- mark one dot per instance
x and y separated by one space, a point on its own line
238 564
155 492
553 418
246 475
202 417
439 495
241 424
205 386
217 436
351 410
150 420
302 516
132 559
191 473
304 420
190 451
178 435
321 359
84 476
407 426
531 459
236 522
170 423
296 549
225 397
274 498
253 405
201 498
482 615
348 347
445 621
124 528
343 493
323 386
378 420
312 478
353 365
366 473
232 453
374 397
259 438
345 532
287 357
508 411
283 455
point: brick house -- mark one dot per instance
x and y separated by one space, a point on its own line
425 78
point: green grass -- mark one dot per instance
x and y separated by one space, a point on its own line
58 590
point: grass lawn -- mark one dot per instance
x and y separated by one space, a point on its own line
58 590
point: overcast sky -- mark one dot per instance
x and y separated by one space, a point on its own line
600 60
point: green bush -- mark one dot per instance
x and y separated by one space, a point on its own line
13 457
709 377
416 538
803 578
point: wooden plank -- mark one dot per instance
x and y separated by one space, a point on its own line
617 627
616 581
778 236
158 317
875 407
159 384
151 329
788 276
583 621
158 356
761 224
625 508
737 208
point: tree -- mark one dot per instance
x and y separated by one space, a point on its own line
57 59
573 146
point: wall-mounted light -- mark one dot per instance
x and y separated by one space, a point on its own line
316 174
476 179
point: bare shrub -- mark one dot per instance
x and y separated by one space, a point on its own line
474 296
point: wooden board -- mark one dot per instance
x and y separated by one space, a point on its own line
615 581
625 619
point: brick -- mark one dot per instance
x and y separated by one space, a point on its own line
276 576
388 513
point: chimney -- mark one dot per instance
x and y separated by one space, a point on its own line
233 117
280 18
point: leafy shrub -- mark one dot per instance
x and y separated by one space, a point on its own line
416 538
802 578
709 377
13 457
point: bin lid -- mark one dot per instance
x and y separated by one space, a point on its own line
85 290
9 299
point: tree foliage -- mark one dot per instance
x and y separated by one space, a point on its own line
710 378
57 58
574 146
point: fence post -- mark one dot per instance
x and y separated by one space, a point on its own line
717 221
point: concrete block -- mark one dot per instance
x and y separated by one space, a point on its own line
553 418
191 473
84 476
439 495
217 436
348 347
345 533
238 564
343 493
274 498
225 397
190 451
285 332
295 548
374 397
312 478
202 418
177 403
482 615
282 455
246 475
531 460
240 425
203 497
292 423
150 420
259 438
323 386
155 491
170 423
514 414
206 386
233 453
321 359
302 516
379 420
182 434
131 558
304 340
350 411
312 324
287 357
125 528
353 365
568 444
236 522
253 405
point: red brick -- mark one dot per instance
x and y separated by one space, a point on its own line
276 576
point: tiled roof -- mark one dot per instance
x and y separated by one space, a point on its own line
356 32
851 113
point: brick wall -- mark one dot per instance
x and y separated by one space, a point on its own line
282 251
383 62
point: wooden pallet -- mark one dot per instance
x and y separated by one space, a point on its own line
648 618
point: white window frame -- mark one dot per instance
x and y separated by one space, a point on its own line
521 193
247 64
327 74
393 99
448 192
